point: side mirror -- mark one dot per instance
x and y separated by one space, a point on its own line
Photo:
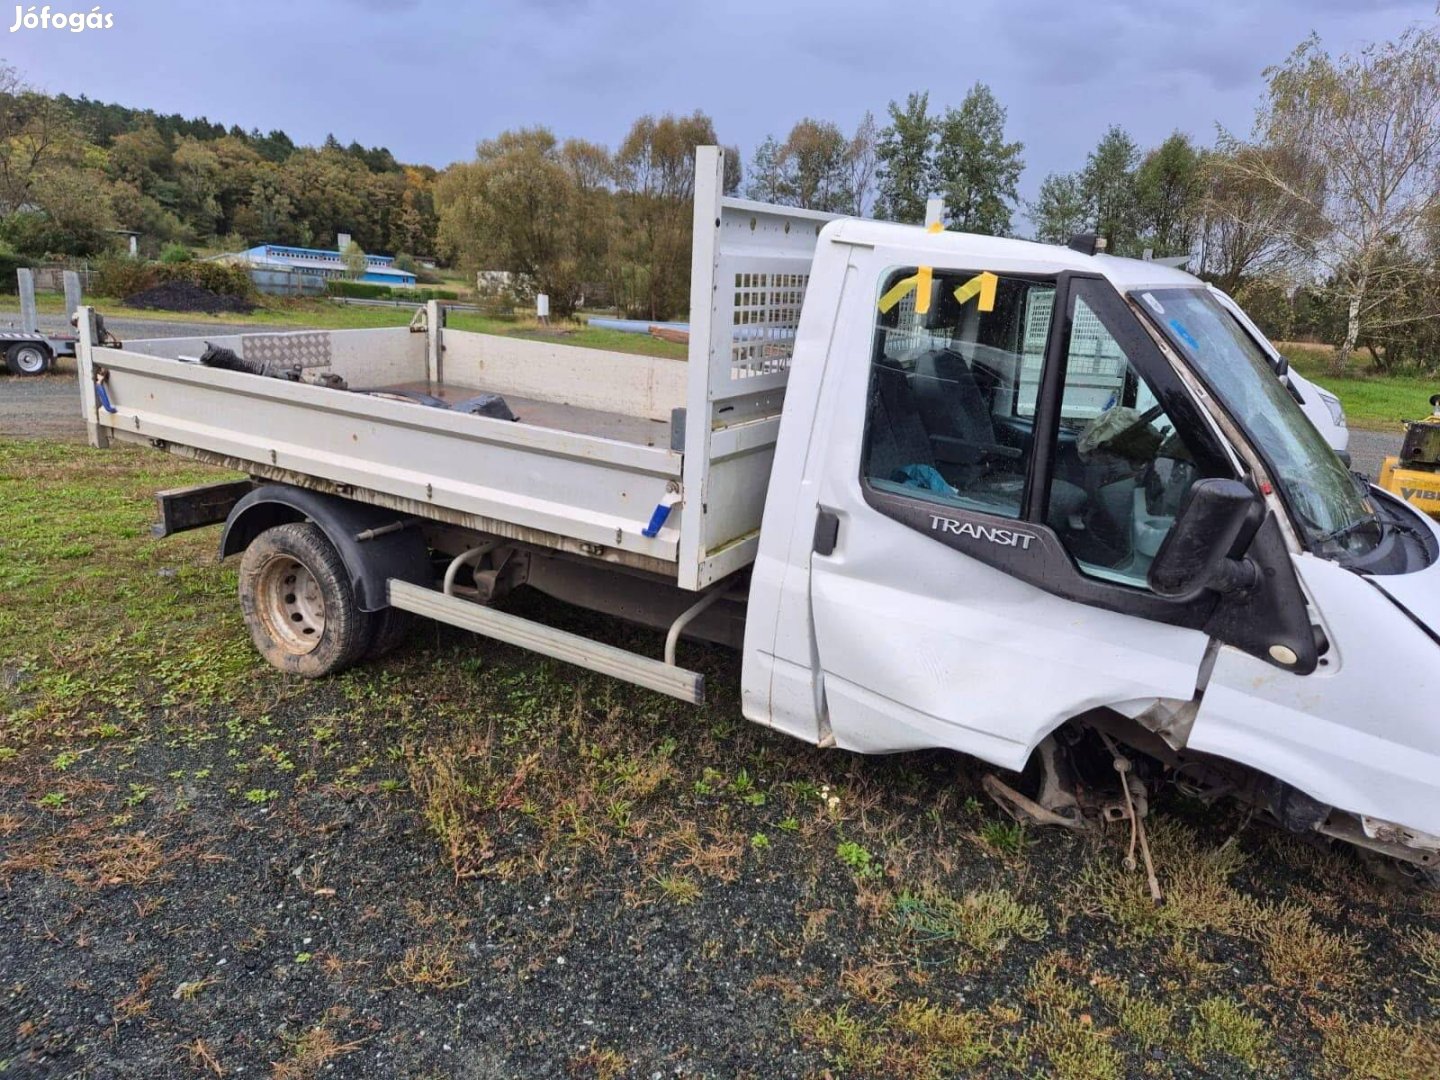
1206 546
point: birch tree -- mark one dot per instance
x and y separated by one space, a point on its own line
1365 131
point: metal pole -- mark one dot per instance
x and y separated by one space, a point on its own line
72 293
28 319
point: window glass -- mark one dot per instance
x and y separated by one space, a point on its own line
952 389
1337 519
1120 469
952 409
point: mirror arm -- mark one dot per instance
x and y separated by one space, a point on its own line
1236 576
1231 577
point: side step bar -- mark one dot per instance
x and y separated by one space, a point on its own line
572 648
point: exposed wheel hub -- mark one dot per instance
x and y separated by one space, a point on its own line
291 604
30 360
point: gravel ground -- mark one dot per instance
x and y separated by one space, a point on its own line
48 406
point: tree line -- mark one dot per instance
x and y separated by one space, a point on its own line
1325 222
76 173
1325 218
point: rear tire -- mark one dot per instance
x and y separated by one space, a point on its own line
296 598
27 358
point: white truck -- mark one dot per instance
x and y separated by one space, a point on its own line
942 490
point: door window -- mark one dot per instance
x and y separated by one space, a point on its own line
954 400
1120 468
953 389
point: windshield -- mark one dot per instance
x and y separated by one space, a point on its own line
1336 518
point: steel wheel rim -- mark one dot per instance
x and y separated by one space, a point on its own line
291 604
30 360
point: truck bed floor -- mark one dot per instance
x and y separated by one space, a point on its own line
638 430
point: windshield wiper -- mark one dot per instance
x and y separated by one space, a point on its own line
1351 528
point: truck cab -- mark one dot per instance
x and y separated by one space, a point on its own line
1018 484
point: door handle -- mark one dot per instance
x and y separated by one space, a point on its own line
827 531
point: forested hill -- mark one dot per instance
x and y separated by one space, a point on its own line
74 170
102 121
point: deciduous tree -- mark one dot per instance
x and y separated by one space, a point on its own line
905 151
1168 189
655 175
978 171
1061 209
1362 133
354 258
511 209
1108 181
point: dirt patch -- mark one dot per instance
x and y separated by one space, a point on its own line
183 296
44 406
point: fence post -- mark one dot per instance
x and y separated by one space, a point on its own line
434 345
25 278
72 293
98 433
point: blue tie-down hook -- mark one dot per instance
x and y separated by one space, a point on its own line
661 515
101 394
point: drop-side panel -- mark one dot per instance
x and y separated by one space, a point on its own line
596 491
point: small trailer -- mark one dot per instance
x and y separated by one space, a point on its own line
31 352
1028 502
27 349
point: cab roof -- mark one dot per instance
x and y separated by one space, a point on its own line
913 244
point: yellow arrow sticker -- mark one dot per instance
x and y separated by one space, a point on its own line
897 293
923 281
982 285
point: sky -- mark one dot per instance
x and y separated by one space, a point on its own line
429 79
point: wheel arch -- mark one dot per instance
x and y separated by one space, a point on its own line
370 561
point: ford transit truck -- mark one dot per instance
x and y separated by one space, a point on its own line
940 490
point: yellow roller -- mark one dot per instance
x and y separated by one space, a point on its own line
1415 474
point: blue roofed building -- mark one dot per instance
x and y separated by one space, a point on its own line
379 269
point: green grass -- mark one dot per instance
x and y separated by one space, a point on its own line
98 619
866 905
585 336
1376 402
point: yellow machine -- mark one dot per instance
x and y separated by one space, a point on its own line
1415 474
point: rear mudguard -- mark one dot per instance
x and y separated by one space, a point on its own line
372 560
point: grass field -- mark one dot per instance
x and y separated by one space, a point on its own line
326 315
467 860
1378 402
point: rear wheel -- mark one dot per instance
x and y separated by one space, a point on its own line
27 358
296 598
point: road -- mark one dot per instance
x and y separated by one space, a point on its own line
49 406
1369 449
149 328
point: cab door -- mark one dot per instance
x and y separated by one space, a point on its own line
1002 463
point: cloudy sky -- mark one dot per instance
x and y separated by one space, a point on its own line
429 78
